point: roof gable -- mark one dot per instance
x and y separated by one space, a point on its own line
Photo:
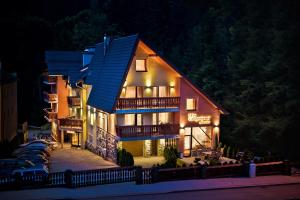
107 73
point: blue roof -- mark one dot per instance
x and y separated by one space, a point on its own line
64 63
107 73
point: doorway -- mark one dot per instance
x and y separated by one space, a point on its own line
196 138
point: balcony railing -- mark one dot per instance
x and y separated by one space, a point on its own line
50 80
71 124
147 130
50 114
50 98
74 101
151 102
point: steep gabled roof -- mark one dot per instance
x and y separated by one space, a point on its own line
107 73
64 63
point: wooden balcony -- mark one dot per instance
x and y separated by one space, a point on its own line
50 97
49 114
74 101
151 102
161 130
71 124
50 80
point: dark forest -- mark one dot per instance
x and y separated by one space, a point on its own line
244 54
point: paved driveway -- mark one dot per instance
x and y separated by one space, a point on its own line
76 159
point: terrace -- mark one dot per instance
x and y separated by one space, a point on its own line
74 101
148 103
161 130
71 124
50 97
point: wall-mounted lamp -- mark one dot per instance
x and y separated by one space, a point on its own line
148 83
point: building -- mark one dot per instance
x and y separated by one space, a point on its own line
122 94
8 106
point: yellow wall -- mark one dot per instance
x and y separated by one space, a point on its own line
134 147
62 93
158 73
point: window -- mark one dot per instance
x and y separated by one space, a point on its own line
163 118
129 120
191 104
139 120
140 65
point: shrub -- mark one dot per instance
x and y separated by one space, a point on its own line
125 158
170 155
213 162
224 150
196 160
248 155
233 153
228 152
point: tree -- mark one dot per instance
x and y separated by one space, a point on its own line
85 28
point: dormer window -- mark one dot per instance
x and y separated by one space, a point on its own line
140 65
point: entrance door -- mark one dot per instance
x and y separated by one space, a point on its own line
76 139
195 138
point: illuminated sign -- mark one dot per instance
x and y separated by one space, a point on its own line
201 119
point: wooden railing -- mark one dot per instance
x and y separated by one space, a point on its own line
147 130
50 79
71 124
49 97
50 114
73 101
151 102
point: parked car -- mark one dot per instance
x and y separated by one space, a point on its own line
40 142
36 152
36 144
36 161
42 170
31 148
15 163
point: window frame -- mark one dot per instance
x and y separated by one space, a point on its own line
195 104
145 63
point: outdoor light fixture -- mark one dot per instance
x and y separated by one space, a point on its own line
148 83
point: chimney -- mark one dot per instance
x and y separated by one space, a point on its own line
106 41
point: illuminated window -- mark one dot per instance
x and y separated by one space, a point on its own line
191 104
140 65
139 119
129 120
163 118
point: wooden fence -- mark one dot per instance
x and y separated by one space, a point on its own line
272 168
139 175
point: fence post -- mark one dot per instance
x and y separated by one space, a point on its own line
286 168
18 180
252 169
154 174
138 175
246 169
203 171
68 178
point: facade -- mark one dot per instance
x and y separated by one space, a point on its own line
122 94
8 106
